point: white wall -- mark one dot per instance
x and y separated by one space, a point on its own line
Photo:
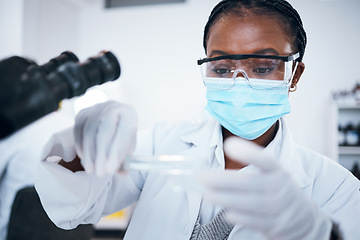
11 27
158 47
50 27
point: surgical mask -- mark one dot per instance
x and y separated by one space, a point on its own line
246 111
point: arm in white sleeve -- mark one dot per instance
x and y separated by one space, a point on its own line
343 206
73 198
70 198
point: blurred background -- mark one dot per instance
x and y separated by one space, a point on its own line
157 45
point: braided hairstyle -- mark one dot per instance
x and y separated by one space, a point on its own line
280 8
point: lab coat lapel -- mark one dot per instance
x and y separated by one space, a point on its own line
284 148
201 142
193 196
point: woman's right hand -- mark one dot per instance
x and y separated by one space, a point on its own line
104 135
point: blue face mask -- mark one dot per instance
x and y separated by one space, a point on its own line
246 111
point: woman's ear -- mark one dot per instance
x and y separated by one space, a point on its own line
298 72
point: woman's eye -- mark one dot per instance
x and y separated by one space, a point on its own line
222 72
262 71
263 67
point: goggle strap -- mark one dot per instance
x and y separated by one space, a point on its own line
247 56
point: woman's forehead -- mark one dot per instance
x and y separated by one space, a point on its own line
248 35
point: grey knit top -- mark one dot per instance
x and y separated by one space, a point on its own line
217 229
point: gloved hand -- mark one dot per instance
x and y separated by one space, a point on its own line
267 200
104 135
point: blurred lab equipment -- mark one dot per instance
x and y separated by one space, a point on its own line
349 96
30 91
349 134
348 123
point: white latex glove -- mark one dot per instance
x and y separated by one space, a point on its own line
61 145
267 200
104 135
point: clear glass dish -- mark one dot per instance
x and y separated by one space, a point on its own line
181 171
171 164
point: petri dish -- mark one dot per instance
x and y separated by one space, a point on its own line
181 171
171 164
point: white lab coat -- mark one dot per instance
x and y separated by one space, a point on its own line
161 213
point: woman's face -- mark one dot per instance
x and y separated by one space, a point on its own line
248 35
253 34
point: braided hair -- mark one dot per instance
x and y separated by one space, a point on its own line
281 8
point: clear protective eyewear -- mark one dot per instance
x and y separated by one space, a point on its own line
256 70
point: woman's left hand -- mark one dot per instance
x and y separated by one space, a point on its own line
267 199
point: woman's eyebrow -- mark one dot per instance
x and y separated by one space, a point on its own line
267 51
261 51
218 52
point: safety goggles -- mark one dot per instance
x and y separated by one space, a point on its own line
256 70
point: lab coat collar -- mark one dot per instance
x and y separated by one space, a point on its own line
284 148
209 137
208 129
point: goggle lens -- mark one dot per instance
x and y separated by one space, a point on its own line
256 68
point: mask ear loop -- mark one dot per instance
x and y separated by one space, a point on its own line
236 72
202 76
293 73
